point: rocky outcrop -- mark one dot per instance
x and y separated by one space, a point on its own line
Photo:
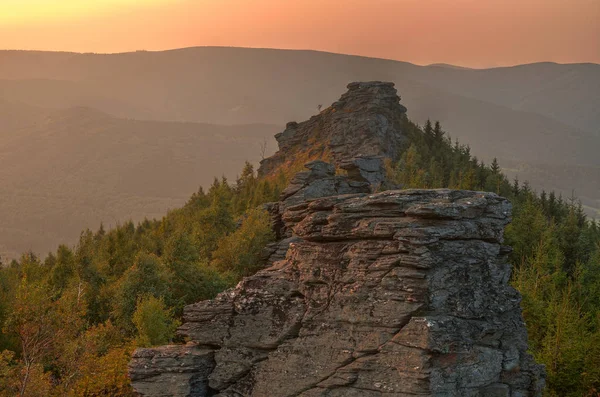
319 181
366 122
398 293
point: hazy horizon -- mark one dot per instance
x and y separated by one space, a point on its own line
463 33
299 49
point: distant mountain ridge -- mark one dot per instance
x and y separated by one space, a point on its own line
447 65
523 87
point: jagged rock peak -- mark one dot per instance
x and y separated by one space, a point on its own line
367 121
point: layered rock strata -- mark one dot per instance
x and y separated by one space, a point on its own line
393 294
399 293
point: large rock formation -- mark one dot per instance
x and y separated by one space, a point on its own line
353 133
398 293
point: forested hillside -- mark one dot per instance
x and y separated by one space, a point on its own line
71 320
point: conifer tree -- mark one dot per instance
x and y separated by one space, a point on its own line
438 133
429 133
515 187
495 167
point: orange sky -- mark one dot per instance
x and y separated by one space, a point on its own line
478 33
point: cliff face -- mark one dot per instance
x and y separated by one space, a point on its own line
398 293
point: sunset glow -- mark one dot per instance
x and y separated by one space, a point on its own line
35 11
464 32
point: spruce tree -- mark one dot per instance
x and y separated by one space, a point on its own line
438 133
429 133
515 187
495 167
